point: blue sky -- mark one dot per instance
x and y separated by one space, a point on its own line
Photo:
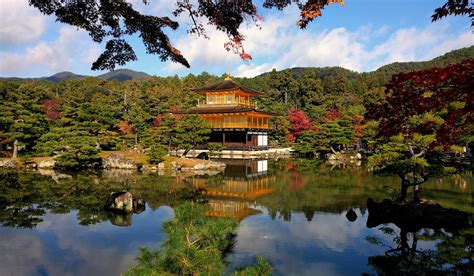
362 35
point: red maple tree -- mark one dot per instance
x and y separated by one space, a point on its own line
51 108
299 123
447 92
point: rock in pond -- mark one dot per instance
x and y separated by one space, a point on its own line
119 202
123 220
123 202
351 215
138 206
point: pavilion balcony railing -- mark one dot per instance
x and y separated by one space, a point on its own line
239 125
236 102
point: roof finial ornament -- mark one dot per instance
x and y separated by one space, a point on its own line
227 76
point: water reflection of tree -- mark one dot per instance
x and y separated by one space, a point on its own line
448 230
26 197
452 254
324 190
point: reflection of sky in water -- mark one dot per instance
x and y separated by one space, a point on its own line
60 246
327 245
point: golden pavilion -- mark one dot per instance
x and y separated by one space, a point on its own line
229 109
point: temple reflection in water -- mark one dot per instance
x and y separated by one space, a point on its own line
235 191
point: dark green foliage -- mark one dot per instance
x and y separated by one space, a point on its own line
331 137
156 154
261 267
308 143
73 148
23 121
194 245
121 115
215 150
191 130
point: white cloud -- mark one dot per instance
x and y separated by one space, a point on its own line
326 234
252 70
20 23
72 48
280 44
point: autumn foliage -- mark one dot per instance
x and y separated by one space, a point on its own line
312 9
332 115
442 98
160 117
51 109
358 123
299 123
125 127
296 180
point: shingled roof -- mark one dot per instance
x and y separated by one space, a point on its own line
226 85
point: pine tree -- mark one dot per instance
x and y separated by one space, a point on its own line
72 147
191 130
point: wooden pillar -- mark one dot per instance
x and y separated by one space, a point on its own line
223 138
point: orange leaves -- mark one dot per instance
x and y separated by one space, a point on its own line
332 115
245 56
235 45
312 9
125 127
358 122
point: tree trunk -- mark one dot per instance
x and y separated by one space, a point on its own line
404 188
404 242
15 149
414 243
186 151
136 138
416 194
97 145
169 147
332 149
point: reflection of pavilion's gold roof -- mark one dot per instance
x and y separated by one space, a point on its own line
226 208
242 188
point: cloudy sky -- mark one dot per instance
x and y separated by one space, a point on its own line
362 35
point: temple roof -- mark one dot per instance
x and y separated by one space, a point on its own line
221 109
226 85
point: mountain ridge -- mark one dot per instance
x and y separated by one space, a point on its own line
451 57
386 71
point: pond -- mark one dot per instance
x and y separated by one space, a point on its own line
291 212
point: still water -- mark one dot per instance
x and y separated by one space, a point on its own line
291 212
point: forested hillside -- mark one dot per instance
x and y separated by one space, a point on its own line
92 113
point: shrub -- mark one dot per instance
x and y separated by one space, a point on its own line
215 150
156 154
